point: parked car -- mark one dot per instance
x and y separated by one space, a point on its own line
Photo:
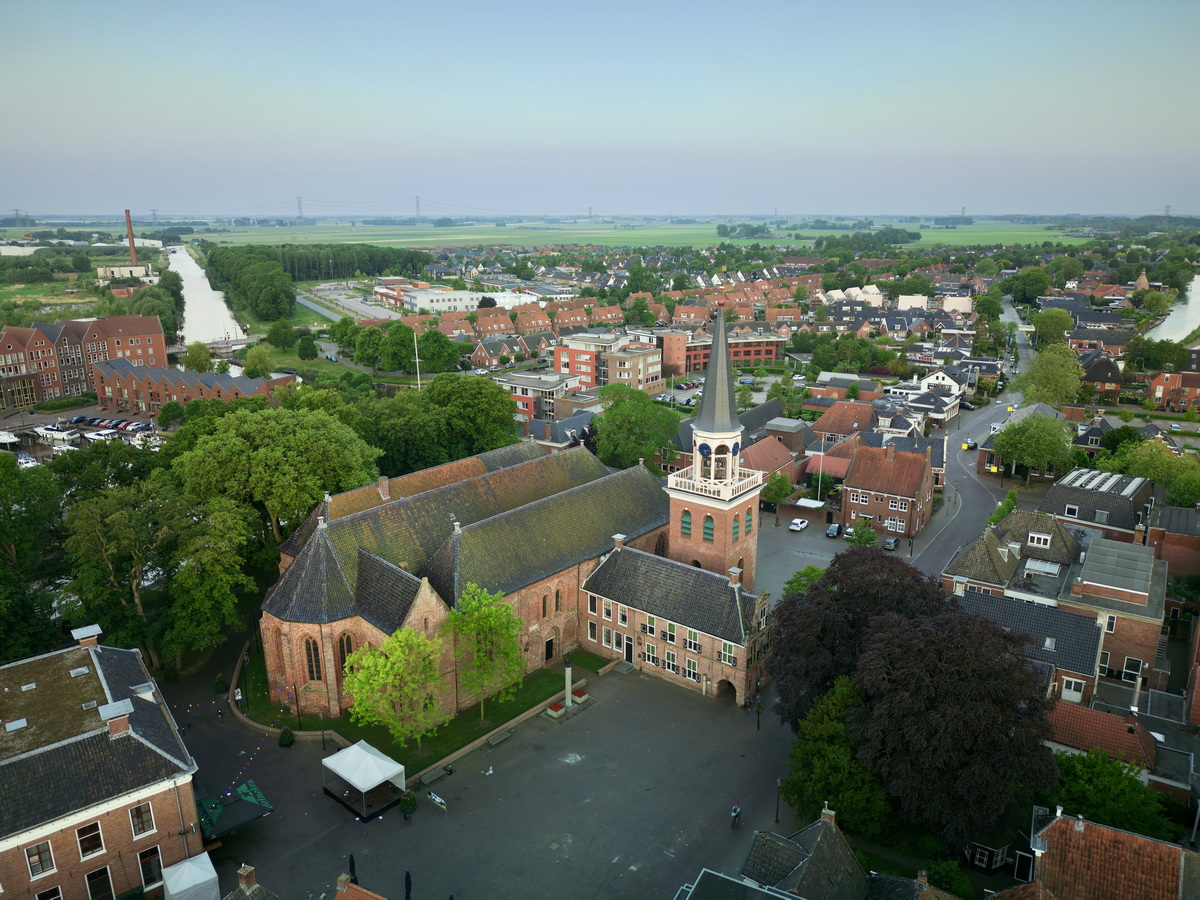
1175 426
848 533
493 368
664 397
971 444
749 381
798 525
331 357
78 420
833 530
967 406
891 543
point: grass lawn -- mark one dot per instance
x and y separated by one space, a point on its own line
535 690
590 661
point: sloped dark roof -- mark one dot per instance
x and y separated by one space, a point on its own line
1119 497
384 593
772 857
1076 639
675 591
1176 520
832 871
314 588
83 766
506 552
752 420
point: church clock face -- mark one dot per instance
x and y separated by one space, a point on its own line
736 448
705 450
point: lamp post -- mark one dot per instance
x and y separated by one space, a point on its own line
321 717
778 789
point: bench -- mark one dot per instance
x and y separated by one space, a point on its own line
500 737
430 777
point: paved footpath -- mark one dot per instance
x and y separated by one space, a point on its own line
629 798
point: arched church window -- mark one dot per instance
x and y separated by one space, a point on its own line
312 654
345 648
708 528
749 522
685 524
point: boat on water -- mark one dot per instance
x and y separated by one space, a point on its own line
60 449
25 461
104 434
55 435
7 438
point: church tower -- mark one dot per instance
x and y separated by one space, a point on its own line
714 502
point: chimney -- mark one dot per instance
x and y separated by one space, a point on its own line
618 541
117 716
735 576
828 815
922 877
246 878
1058 810
132 242
1079 823
547 431
343 883
891 452
88 635
320 521
385 488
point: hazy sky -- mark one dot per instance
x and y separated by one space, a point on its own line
484 108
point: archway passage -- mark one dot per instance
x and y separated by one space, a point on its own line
725 692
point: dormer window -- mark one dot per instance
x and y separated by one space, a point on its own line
1038 540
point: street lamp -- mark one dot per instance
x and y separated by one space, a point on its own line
778 788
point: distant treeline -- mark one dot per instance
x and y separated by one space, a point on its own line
953 220
312 262
866 240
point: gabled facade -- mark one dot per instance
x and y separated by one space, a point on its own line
891 489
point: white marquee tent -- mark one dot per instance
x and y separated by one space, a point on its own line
192 879
363 767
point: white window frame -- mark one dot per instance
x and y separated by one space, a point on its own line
1104 658
668 633
623 616
1073 686
1036 539
692 670
649 626
592 604
112 891
133 828
592 632
726 656
36 876
1071 511
79 840
1111 625
607 636
1135 671
50 893
693 641
608 605
141 872
651 654
670 661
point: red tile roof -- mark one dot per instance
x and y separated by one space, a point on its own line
846 418
887 470
767 455
1086 861
1085 729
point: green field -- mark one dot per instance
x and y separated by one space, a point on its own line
649 235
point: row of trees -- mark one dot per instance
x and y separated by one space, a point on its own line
252 279
391 347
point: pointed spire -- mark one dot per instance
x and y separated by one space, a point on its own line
718 406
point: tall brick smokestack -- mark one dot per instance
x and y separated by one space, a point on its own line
129 231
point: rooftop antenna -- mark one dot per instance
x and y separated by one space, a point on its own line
132 247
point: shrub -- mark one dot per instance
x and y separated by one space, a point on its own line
221 685
286 738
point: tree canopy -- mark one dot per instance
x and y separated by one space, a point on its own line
632 427
1107 791
1053 377
398 685
487 643
1037 442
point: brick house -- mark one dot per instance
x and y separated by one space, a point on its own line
492 323
98 795
844 418
1115 505
1175 391
123 387
893 489
45 361
489 353
1174 533
533 322
1080 729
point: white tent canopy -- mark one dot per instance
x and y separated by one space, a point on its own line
363 767
192 879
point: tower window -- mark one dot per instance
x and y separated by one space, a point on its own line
708 528
749 522
345 648
685 524
735 528
312 654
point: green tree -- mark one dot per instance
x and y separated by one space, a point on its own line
824 766
221 367
438 352
1051 326
777 489
1107 791
170 414
197 357
306 347
632 427
1007 505
398 350
257 363
29 510
745 397
476 414
368 347
172 282
853 391
1156 302
487 643
398 685
82 263
1053 377
864 535
279 460
281 334
802 580
1037 442
988 306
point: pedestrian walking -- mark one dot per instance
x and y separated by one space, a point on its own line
736 816
407 885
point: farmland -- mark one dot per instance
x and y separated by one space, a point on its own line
650 234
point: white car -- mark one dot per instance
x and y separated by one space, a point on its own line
798 525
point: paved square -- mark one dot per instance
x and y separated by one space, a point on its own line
629 798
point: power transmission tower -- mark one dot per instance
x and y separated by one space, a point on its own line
418 206
962 216
1167 214
154 215
300 208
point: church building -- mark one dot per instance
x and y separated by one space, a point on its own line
607 561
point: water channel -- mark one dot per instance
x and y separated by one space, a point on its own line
206 317
1183 319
